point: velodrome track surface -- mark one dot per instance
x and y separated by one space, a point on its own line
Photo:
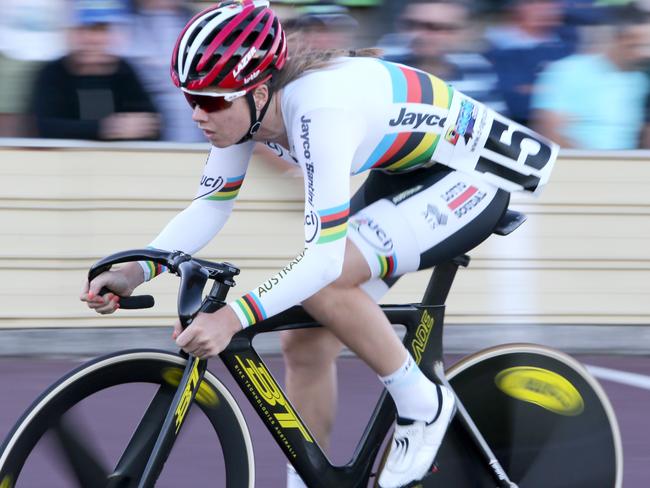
22 379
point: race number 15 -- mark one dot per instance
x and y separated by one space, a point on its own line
509 143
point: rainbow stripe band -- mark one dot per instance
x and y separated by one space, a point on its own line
387 265
334 223
414 86
230 190
155 269
252 308
405 150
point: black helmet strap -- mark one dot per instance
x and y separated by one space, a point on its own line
256 122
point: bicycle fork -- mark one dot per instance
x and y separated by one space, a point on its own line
149 448
499 474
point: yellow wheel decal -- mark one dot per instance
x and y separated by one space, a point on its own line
206 396
7 482
542 387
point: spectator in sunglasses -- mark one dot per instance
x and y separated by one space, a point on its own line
438 37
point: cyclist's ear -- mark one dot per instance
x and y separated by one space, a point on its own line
261 95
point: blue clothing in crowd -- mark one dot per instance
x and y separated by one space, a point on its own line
604 106
518 59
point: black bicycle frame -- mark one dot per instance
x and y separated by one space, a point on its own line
423 338
280 417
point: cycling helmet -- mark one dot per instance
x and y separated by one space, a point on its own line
233 45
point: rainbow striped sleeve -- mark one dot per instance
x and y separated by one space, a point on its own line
229 191
405 150
251 308
334 223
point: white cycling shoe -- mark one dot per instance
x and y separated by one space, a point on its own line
415 445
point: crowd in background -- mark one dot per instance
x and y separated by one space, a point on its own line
577 71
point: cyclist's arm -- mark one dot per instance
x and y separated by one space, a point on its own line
195 226
325 141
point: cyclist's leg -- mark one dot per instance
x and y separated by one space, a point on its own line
443 215
355 318
347 293
310 361
310 355
310 370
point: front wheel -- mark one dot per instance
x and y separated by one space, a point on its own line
547 420
76 432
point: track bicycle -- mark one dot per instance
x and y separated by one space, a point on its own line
528 416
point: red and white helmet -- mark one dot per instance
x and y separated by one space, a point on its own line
235 45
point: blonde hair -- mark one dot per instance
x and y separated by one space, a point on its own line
303 59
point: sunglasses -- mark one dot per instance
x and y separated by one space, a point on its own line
412 24
207 103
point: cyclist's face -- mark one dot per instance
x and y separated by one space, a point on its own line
224 127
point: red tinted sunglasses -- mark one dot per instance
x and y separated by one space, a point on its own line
207 103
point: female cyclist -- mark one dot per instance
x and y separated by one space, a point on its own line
334 114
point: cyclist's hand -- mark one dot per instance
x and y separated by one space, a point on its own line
208 334
122 282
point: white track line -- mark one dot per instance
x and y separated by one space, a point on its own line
623 377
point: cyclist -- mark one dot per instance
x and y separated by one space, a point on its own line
333 114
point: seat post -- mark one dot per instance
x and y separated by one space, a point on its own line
441 280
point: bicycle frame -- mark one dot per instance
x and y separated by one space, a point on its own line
279 415
423 339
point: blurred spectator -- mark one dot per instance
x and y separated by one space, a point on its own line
325 26
91 93
587 12
435 37
150 37
320 26
30 34
597 100
522 47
